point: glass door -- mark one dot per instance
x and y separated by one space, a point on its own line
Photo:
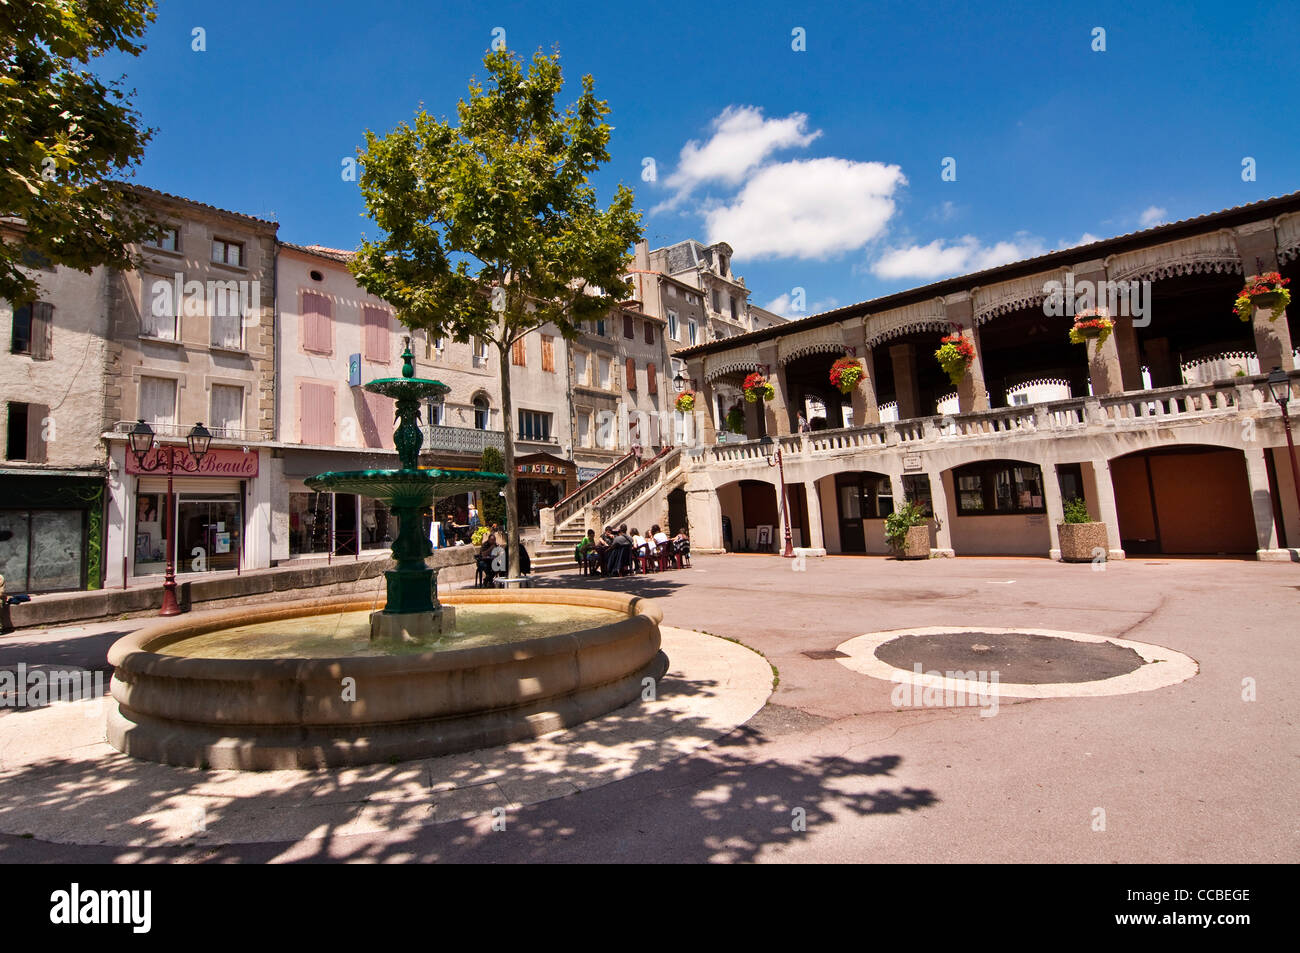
209 533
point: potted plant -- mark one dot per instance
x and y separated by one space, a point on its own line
955 355
757 386
1263 291
1091 323
907 530
1081 537
845 374
685 401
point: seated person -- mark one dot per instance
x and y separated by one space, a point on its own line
525 561
499 566
638 543
682 545
621 560
584 548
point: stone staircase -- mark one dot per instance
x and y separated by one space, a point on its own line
556 554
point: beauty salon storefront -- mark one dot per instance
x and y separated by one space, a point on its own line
221 511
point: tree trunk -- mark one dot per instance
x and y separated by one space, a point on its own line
512 496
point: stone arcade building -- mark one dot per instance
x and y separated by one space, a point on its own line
1166 431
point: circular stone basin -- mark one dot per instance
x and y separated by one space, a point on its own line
1019 657
190 692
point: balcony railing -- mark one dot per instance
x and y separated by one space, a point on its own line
183 430
467 440
1135 409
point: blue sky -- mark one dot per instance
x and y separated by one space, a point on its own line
822 167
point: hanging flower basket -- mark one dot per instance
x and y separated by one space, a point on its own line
1263 291
736 419
756 386
845 374
954 356
685 401
1092 323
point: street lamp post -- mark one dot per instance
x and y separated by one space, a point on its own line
774 460
1279 388
142 441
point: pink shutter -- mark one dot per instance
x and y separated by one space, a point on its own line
316 319
375 322
316 414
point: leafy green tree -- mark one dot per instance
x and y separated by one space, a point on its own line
63 132
492 508
491 228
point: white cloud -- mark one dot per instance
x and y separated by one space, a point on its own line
781 305
1152 215
741 140
940 259
808 208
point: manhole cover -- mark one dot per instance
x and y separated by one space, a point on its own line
1016 656
820 654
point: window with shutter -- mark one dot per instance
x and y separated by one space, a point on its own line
227 411
37 423
631 374
159 313
651 384
649 333
376 334
548 353
317 323
629 326
16 437
20 341
517 353
316 414
42 330
158 401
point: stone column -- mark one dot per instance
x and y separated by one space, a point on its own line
704 514
972 392
1104 366
776 412
1055 508
942 517
816 534
1257 245
753 417
1104 495
908 393
863 397
1261 504
705 432
1127 353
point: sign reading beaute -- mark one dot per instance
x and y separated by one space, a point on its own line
216 463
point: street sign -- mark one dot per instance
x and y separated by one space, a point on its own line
354 370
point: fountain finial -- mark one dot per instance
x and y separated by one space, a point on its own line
408 365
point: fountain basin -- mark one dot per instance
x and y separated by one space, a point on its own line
261 714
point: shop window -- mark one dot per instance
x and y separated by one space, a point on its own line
311 517
377 525
998 487
208 532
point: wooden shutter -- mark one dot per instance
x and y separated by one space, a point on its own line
517 354
316 323
631 374
375 321
316 414
629 329
36 415
42 330
548 353
649 333
651 385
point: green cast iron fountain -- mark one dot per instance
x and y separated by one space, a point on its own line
412 611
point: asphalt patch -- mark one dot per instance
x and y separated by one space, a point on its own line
1018 657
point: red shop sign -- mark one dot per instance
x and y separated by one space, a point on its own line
216 463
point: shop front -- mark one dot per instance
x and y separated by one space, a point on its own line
51 530
214 502
338 524
541 481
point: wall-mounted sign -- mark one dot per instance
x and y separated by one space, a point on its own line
542 468
354 370
220 462
911 461
588 473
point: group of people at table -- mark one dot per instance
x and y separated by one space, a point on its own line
491 558
617 552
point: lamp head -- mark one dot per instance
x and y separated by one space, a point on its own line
141 439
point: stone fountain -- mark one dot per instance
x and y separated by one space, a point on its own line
412 612
326 682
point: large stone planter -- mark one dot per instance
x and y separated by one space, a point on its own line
916 545
1079 541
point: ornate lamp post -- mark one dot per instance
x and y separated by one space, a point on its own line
774 460
1279 388
142 441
